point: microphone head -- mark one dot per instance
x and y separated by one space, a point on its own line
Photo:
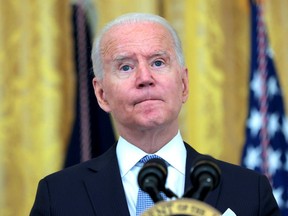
153 175
205 170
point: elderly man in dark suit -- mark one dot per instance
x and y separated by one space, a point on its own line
142 80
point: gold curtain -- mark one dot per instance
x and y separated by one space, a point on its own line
217 50
37 80
36 86
276 19
110 9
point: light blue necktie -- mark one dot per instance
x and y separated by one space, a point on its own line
144 201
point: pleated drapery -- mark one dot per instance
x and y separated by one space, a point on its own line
37 83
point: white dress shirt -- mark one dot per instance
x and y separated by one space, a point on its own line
129 155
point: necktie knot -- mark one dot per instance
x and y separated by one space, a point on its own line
147 158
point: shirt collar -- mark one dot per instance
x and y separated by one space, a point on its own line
174 152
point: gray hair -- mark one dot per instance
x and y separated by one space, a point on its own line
132 18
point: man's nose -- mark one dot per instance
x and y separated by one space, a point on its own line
144 76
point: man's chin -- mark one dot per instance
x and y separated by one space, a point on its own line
150 123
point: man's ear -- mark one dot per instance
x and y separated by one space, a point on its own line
185 85
100 94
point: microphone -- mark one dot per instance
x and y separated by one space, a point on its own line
205 177
152 178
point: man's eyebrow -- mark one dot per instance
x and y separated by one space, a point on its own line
159 53
122 57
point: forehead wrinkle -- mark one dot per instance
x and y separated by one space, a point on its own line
154 54
106 47
110 44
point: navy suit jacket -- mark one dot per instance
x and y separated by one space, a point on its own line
95 188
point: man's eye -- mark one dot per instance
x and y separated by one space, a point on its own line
158 63
125 68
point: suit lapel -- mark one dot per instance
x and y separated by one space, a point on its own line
104 186
105 189
192 154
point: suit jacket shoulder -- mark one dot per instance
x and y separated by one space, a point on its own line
244 191
90 188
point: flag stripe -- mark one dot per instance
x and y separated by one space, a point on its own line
262 68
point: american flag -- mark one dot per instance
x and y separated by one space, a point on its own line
266 146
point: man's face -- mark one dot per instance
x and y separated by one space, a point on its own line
143 85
